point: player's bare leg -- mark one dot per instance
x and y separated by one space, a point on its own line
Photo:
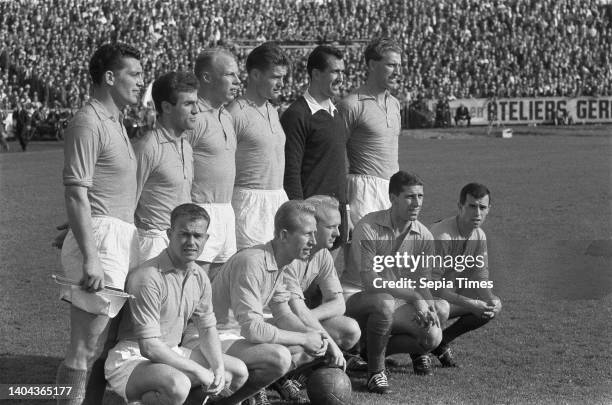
156 383
236 372
96 386
88 333
408 336
266 363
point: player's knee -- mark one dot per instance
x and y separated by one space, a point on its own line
277 361
384 305
431 338
442 309
239 375
349 333
84 353
176 388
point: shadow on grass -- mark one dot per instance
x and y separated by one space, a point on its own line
25 369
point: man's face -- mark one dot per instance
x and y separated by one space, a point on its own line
408 203
473 212
224 80
328 228
187 238
127 82
302 240
270 82
386 72
183 113
330 79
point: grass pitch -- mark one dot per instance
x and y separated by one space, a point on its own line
551 205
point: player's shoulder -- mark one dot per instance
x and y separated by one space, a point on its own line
373 219
237 106
372 225
85 117
419 227
444 229
149 145
148 273
321 257
349 100
146 139
249 256
393 100
200 275
479 234
296 109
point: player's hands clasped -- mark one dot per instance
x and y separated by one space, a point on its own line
426 316
93 275
315 344
218 383
482 309
205 378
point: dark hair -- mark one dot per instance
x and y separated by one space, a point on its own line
266 56
109 57
476 190
205 59
289 213
318 58
193 211
377 48
403 179
167 86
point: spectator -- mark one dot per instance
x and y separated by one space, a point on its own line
462 115
518 48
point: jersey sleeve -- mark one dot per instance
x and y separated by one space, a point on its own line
295 144
145 307
327 279
81 150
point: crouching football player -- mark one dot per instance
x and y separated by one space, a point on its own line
148 364
323 304
471 299
395 317
316 297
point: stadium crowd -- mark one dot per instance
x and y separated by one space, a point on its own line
467 48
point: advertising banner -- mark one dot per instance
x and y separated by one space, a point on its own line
509 111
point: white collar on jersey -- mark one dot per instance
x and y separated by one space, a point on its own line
315 106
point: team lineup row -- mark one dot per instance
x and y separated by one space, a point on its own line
234 285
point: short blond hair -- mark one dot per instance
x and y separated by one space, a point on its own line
323 204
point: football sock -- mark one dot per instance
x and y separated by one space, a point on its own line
77 379
377 333
463 325
439 350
